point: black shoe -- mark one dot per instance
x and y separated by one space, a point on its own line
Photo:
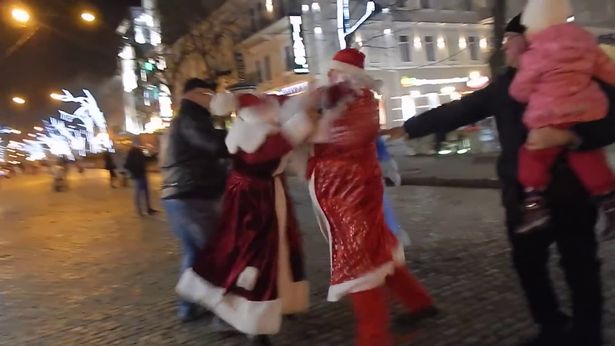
409 319
151 212
556 334
260 340
607 204
536 214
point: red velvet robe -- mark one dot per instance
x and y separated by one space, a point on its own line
346 189
251 271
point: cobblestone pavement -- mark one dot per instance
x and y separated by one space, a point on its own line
80 268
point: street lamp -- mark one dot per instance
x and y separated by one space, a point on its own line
88 17
20 15
19 100
55 96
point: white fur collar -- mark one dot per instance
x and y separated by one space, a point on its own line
248 136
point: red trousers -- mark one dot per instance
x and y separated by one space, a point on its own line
371 308
591 167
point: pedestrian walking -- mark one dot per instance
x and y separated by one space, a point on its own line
109 166
572 210
136 165
194 175
251 272
346 189
555 80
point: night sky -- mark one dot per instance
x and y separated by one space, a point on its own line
64 53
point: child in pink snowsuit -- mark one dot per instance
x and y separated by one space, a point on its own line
556 78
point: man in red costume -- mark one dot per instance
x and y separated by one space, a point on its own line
252 272
346 189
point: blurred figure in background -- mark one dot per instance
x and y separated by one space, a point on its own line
109 166
136 165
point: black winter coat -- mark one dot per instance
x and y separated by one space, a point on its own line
192 160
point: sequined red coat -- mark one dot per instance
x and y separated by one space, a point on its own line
346 188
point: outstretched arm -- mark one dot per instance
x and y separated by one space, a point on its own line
448 117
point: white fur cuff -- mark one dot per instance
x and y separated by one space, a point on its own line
247 278
297 129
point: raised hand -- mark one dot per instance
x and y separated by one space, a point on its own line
394 133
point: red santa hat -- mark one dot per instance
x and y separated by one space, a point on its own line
350 61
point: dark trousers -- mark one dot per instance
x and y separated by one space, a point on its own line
572 231
142 195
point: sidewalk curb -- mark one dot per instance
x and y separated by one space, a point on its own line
440 182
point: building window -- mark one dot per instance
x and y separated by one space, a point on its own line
426 4
473 47
430 48
404 49
267 64
288 58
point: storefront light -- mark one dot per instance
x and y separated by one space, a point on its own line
305 8
462 43
417 43
318 30
483 43
448 90
387 31
315 6
441 43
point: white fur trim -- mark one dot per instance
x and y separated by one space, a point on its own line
541 14
247 278
247 137
348 69
322 134
365 282
248 317
298 128
223 104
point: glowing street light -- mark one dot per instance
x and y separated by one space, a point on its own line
88 17
37 128
19 100
20 15
55 96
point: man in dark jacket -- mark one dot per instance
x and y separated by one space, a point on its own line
136 165
110 166
194 175
573 212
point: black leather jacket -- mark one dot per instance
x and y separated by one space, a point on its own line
193 161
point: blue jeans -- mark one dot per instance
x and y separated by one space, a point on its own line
193 221
141 192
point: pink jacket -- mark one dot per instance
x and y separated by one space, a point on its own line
555 78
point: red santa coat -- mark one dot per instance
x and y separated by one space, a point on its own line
346 189
252 270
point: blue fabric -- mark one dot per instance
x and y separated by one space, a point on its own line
141 189
192 221
381 149
389 215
